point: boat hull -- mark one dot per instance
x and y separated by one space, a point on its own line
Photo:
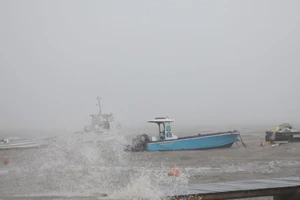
200 142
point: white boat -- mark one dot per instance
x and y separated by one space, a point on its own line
23 144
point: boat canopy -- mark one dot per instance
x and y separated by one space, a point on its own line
284 126
161 120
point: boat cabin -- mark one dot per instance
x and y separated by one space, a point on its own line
100 121
164 128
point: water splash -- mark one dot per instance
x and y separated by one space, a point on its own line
75 163
138 188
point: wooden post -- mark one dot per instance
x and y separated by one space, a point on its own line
292 196
291 138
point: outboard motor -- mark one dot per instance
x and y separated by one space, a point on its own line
139 143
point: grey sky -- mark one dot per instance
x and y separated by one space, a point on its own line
196 61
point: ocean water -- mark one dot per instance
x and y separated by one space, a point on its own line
72 168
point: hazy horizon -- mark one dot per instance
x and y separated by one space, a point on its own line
199 62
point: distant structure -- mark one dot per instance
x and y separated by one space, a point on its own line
101 122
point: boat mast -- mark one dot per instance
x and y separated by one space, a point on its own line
98 98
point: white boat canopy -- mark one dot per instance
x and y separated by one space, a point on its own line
161 120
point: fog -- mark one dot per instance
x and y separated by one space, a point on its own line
199 62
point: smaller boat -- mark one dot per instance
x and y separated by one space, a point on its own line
23 144
167 141
283 132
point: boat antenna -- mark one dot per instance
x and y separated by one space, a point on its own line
98 98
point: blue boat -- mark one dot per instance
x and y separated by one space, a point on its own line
167 141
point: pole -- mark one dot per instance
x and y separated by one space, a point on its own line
98 98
